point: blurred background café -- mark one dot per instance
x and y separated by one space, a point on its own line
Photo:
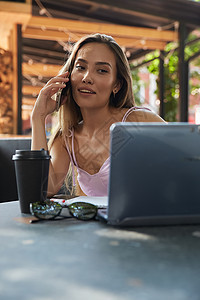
160 38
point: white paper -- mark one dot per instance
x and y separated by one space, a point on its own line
100 202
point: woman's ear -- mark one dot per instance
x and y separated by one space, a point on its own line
117 87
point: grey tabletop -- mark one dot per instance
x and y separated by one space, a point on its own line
70 259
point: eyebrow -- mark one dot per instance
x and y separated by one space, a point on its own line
97 63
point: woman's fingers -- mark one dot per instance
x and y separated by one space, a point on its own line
52 88
60 78
46 103
64 74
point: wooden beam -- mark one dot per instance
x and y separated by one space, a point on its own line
110 29
31 90
28 101
16 37
16 7
141 44
12 13
40 69
51 35
48 34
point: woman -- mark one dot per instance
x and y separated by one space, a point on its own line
98 93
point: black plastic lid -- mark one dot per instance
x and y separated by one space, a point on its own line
31 154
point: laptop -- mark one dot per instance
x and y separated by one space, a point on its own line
154 174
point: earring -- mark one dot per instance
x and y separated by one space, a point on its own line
114 92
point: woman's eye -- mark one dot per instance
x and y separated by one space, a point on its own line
103 71
78 67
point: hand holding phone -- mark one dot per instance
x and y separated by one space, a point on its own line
60 94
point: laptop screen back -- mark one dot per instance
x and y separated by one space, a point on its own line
155 171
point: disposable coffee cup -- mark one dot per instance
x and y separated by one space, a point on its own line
32 171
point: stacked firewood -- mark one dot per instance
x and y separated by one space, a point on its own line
6 79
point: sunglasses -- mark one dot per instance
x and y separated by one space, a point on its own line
49 210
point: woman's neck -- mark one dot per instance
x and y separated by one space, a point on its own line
94 120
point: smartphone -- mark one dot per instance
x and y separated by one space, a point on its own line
61 93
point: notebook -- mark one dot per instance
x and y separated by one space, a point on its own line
154 174
100 202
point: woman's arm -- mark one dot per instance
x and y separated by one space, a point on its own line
44 106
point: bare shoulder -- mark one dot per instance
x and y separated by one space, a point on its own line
143 115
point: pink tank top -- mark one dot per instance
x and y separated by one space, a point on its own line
93 184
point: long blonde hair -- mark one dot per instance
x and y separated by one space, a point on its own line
70 114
